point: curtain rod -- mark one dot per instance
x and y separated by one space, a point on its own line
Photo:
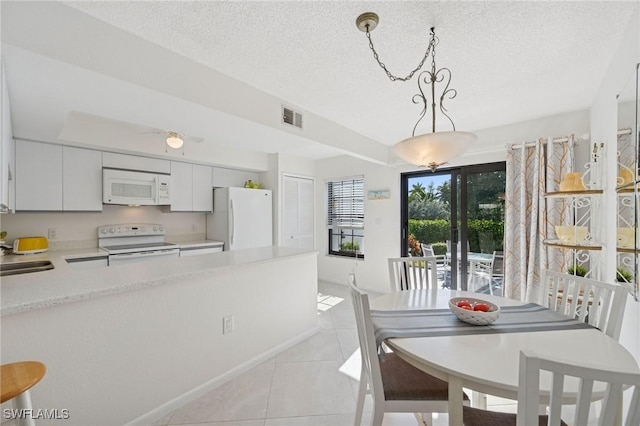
528 144
621 132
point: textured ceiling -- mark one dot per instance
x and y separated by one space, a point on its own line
511 61
220 70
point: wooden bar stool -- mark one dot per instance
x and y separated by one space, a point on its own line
17 379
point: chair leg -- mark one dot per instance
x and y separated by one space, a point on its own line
362 391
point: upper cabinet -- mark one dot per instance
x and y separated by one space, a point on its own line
38 176
191 187
56 178
81 179
7 165
202 188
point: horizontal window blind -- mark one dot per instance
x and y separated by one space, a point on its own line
346 203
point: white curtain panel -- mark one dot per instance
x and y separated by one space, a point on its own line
560 161
530 167
524 189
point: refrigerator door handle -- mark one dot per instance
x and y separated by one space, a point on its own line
233 222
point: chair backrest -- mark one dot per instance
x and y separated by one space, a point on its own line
367 340
497 265
406 273
427 250
529 391
568 295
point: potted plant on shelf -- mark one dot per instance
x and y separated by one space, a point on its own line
623 276
577 270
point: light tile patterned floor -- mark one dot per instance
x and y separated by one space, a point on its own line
311 384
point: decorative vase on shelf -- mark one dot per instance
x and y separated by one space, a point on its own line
572 182
625 176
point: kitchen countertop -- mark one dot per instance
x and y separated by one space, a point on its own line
22 293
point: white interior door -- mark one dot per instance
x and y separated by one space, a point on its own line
297 212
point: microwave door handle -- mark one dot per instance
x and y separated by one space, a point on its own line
154 188
233 222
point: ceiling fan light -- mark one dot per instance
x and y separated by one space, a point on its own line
174 141
434 149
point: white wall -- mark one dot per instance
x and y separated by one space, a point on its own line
382 217
604 124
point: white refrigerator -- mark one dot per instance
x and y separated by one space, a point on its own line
242 218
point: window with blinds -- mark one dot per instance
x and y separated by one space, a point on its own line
345 216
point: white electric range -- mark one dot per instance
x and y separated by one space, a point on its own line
135 242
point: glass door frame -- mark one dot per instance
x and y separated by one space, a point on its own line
459 211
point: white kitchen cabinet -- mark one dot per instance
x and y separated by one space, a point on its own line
191 187
81 179
38 176
7 166
113 160
202 188
181 187
297 212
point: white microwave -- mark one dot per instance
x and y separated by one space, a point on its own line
135 188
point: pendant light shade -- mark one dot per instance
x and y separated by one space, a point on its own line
434 149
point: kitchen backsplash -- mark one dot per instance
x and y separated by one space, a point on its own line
80 230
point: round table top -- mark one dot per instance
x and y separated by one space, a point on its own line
19 377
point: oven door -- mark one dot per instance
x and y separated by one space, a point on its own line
142 256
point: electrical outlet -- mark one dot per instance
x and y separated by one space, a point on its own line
52 234
227 324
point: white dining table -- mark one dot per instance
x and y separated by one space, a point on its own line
488 363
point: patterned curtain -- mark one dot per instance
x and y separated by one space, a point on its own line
523 236
560 161
526 220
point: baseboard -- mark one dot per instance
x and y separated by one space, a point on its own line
195 393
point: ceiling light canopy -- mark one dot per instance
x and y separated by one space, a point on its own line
174 140
431 149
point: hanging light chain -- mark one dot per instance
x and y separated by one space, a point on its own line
430 48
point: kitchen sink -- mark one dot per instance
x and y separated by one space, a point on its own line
24 267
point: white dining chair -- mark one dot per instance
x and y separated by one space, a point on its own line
441 261
394 385
568 295
406 273
493 272
557 372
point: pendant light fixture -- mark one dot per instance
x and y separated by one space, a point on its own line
430 149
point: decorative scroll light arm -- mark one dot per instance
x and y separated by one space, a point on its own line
437 148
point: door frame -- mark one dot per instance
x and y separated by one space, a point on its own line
456 235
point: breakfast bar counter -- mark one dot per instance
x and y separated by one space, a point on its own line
170 329
21 293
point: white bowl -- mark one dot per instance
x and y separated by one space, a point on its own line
474 317
571 234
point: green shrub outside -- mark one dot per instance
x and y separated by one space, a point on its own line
433 231
349 246
439 248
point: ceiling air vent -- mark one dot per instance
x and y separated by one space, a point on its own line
291 117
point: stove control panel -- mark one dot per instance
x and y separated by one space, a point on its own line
130 230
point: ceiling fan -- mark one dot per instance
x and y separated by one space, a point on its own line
175 140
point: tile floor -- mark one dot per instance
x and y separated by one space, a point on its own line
311 384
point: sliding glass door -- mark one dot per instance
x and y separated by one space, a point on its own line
457 213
